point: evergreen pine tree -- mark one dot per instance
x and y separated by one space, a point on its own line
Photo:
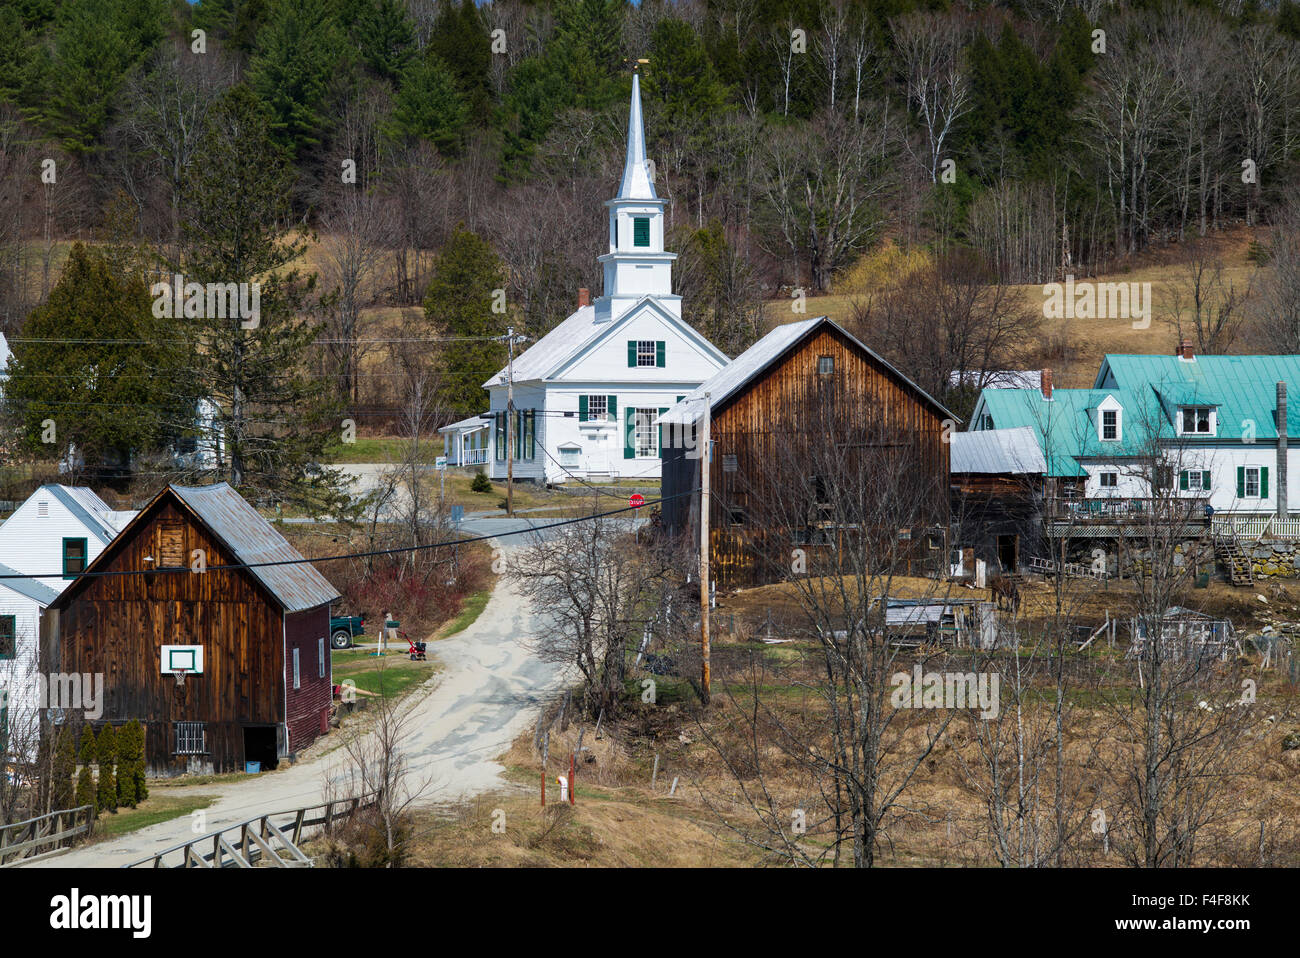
126 767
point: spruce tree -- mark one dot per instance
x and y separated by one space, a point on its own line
126 767
460 302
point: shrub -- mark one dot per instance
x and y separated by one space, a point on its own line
106 749
86 794
481 482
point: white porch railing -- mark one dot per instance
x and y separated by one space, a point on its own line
473 457
1256 527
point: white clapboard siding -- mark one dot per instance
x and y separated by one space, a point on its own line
31 540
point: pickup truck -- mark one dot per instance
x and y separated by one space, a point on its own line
345 628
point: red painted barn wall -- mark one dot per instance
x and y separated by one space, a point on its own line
308 706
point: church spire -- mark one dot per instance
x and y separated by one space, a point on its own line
636 183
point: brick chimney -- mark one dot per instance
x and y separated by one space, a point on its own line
1047 384
584 297
1185 350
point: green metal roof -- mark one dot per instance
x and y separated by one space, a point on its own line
1065 426
1150 389
1244 388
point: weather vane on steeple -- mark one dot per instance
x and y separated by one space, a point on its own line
636 64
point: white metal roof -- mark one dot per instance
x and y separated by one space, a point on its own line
736 373
466 425
555 347
1013 450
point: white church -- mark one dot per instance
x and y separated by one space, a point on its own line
587 394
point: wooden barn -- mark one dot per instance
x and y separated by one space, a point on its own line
997 499
817 442
250 637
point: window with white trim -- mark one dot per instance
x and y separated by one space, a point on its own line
1252 482
647 435
598 406
1108 480
1110 424
297 675
320 656
570 455
1196 420
645 352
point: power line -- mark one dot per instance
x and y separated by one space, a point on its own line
402 550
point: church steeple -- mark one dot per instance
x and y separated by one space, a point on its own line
636 183
636 265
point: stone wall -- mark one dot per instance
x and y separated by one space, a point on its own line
1279 558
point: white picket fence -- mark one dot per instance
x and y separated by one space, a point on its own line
1256 527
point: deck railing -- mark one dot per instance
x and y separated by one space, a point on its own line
1110 509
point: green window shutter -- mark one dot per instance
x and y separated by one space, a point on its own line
631 353
1182 480
582 409
662 410
659 353
629 435
1263 482
1205 481
611 408
1241 482
641 231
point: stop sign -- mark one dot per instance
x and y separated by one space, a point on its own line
636 501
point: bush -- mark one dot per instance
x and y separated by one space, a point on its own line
106 749
130 764
481 482
63 768
86 794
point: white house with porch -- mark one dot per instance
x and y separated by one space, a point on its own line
587 394
465 443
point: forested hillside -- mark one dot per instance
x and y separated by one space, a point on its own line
1007 143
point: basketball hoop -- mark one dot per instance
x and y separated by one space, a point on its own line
180 677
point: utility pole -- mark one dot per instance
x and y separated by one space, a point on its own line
510 422
705 463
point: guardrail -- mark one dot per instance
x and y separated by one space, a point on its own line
36 837
259 840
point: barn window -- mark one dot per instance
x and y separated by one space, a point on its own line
320 656
826 365
74 557
297 675
191 738
737 516
8 637
171 545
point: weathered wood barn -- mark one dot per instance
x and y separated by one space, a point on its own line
251 635
997 498
818 444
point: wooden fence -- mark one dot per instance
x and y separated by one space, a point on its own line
271 839
37 837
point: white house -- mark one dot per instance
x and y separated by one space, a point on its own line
1220 425
47 541
56 533
21 603
587 394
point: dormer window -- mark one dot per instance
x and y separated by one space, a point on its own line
1196 420
1110 424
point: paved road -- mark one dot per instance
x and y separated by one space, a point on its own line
486 695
